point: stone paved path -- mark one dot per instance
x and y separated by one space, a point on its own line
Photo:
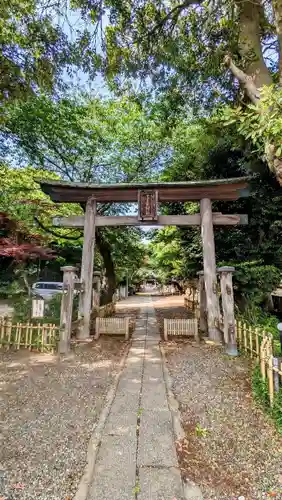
137 457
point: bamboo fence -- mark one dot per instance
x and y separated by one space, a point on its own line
28 335
258 345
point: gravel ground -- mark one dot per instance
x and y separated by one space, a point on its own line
232 449
50 407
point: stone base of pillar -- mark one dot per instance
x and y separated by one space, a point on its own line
231 350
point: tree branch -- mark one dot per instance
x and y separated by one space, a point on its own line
50 231
246 81
173 13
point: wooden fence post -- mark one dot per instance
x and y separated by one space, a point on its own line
9 329
245 336
275 362
262 358
257 342
270 380
127 329
165 329
279 326
227 298
239 333
97 333
66 308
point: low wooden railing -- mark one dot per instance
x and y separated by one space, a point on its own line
258 345
41 337
112 326
180 327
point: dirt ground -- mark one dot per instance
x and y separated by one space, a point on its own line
231 450
171 307
49 408
129 308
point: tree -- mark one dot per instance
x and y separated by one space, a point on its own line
33 49
119 250
27 238
166 255
17 245
199 51
255 250
22 199
91 141
86 139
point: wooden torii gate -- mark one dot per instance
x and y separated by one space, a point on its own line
148 197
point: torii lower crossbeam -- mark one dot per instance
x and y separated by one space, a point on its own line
218 219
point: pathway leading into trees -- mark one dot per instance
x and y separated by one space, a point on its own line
137 456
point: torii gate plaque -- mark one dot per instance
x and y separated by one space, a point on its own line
148 205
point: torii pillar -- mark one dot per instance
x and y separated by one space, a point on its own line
212 301
87 265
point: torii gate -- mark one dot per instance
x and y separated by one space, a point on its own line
148 197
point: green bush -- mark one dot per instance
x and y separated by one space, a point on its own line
260 393
259 388
254 315
276 411
11 290
23 308
53 310
253 282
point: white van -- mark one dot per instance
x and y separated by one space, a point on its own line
47 289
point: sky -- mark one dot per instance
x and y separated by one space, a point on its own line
81 80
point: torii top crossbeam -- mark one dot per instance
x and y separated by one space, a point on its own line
216 189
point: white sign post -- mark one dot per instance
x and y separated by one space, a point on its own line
37 308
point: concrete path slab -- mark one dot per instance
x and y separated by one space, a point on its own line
115 469
156 441
160 484
137 457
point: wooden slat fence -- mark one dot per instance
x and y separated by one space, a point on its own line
258 345
112 326
181 327
28 335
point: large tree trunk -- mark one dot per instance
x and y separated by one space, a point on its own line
277 9
251 17
105 251
256 73
253 93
